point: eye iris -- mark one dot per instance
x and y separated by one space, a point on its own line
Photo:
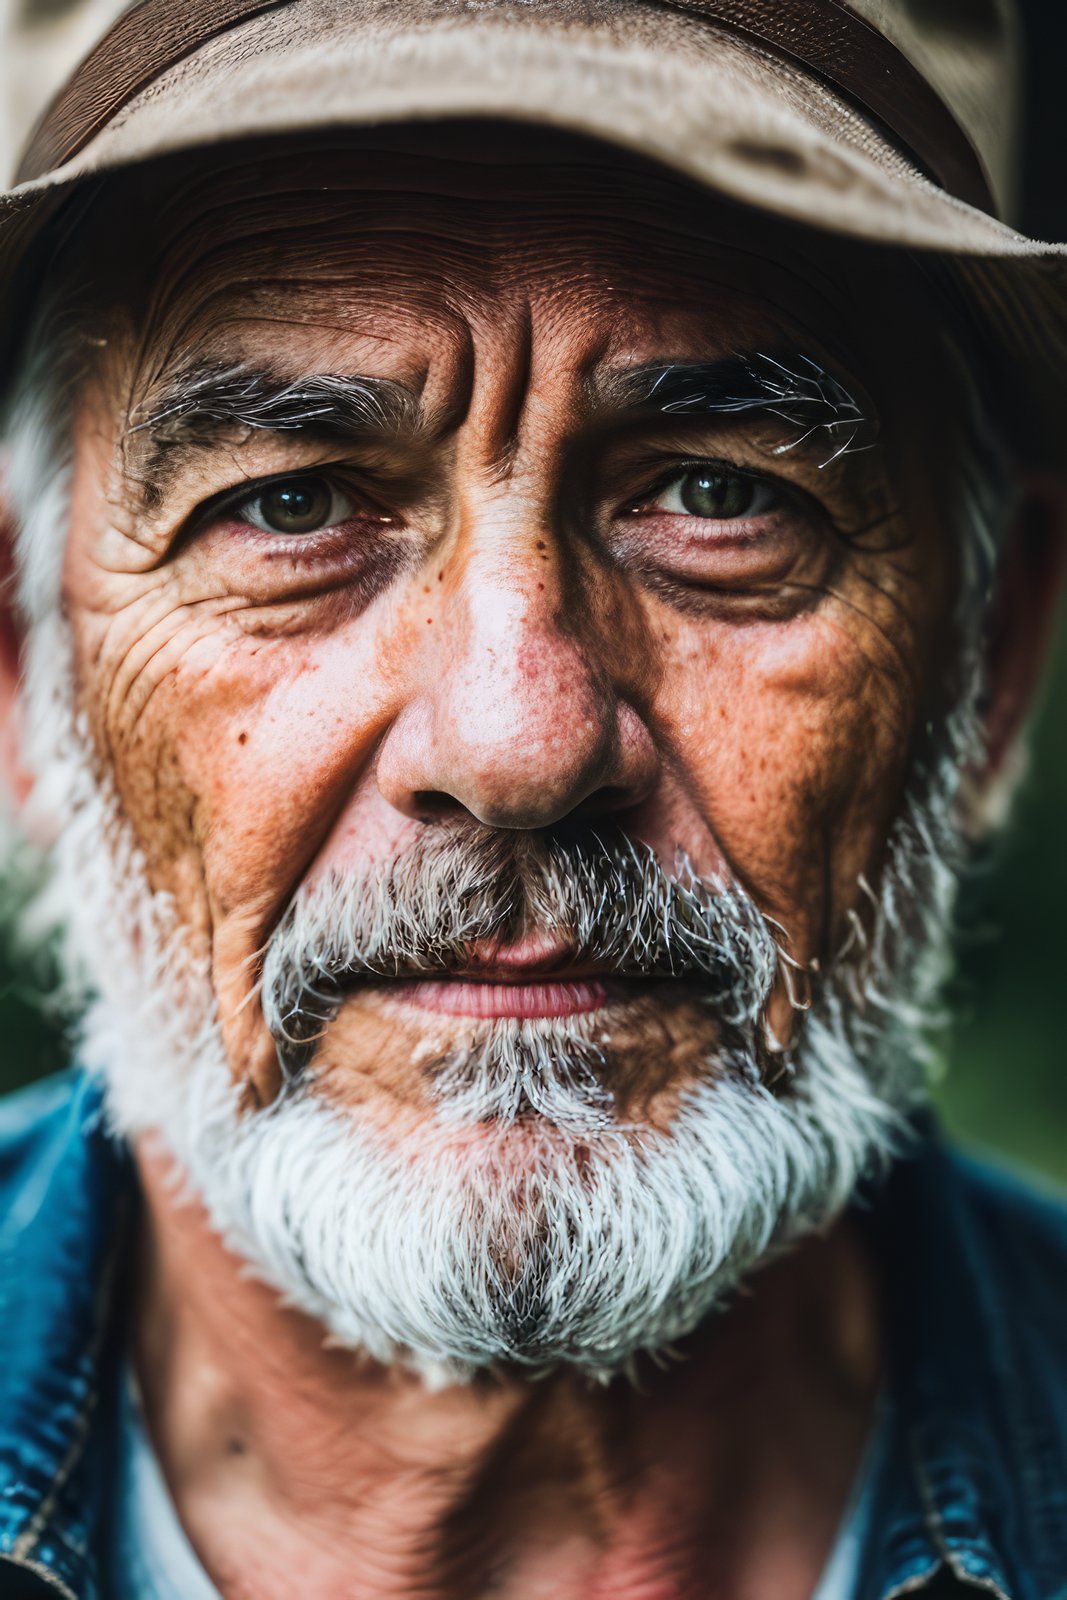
715 494
296 507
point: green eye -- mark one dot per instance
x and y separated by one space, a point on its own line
295 506
710 494
715 495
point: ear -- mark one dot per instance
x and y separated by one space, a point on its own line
15 778
1022 623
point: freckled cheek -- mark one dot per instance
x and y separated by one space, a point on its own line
792 759
271 741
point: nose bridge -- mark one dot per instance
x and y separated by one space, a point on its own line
523 698
519 715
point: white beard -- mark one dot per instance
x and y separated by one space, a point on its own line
449 1250
439 1251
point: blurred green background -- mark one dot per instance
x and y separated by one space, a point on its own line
1005 1083
1005 1080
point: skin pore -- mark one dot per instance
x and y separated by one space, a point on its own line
512 614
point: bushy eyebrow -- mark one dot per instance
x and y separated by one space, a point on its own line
798 391
206 399
206 404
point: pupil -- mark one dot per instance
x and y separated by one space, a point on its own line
297 507
713 494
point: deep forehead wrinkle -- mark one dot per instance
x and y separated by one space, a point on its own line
796 389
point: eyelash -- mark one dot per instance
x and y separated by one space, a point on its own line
332 542
784 493
230 501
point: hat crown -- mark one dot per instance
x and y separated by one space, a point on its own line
41 44
967 50
970 52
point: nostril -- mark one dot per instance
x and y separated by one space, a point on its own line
603 802
433 805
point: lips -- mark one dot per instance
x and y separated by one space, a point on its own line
465 997
533 976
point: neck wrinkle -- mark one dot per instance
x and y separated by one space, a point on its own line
283 1454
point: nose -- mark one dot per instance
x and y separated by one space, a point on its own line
527 709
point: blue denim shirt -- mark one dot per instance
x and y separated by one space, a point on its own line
972 1493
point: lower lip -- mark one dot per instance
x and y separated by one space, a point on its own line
456 997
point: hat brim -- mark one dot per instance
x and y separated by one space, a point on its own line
690 94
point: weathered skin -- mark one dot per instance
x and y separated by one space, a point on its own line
543 649
266 721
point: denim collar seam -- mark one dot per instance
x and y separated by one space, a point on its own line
39 1570
1023 1421
1028 1428
917 1581
950 1552
42 1521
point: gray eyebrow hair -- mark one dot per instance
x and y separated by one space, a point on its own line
799 392
205 401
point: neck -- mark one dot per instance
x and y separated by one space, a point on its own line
724 1471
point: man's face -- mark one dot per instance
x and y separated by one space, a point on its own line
515 587
422 502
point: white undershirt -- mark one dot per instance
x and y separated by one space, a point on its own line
153 1560
841 1574
151 1557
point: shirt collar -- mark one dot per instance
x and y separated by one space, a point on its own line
62 1250
974 1475
971 1480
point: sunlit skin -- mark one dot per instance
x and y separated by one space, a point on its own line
517 619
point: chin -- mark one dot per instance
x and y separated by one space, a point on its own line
506 1214
625 1062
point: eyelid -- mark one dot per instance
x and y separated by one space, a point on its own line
750 481
340 509
337 475
795 499
725 469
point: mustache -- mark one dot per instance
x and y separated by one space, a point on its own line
602 894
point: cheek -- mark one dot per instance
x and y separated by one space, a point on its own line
792 740
232 751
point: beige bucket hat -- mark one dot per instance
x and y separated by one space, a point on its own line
891 121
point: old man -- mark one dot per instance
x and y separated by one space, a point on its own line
533 530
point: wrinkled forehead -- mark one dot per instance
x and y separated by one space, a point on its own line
300 246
